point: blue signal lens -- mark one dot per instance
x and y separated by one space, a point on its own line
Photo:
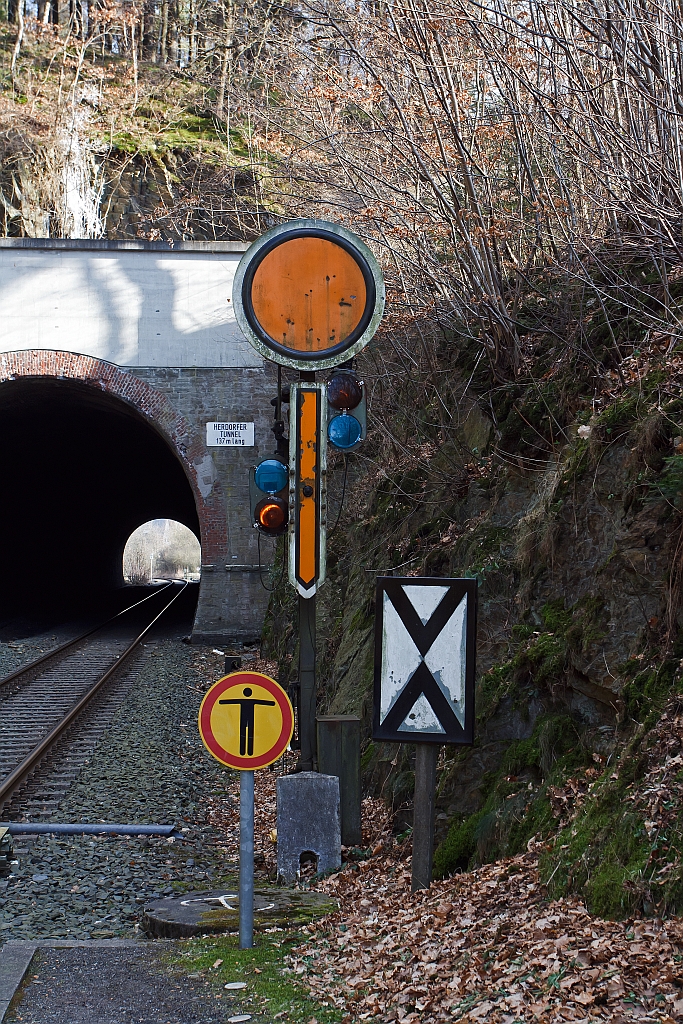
271 476
344 431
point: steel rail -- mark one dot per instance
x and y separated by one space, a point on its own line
31 665
12 781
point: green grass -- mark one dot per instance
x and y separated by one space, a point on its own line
269 991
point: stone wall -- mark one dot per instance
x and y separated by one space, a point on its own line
233 600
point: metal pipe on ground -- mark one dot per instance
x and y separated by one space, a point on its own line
28 828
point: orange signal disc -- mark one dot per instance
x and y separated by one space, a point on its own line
308 294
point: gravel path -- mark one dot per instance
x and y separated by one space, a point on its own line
150 767
115 986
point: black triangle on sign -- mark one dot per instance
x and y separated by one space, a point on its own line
422 634
421 683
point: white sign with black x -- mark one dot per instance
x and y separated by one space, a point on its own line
424 659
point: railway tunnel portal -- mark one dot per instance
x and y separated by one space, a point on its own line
82 470
93 448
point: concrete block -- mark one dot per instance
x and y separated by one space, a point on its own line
308 822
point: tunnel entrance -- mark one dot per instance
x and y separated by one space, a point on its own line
161 550
81 471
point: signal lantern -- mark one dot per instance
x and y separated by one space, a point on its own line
271 515
271 476
344 391
268 492
346 410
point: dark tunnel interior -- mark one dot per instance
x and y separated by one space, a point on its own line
81 470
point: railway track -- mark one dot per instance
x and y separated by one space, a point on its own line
54 710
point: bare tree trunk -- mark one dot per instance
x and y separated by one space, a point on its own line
93 6
148 48
226 62
76 14
134 50
192 35
164 31
173 30
17 44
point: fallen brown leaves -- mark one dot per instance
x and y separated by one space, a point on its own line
655 794
487 945
483 946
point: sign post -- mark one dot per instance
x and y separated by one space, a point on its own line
425 642
246 859
308 295
246 722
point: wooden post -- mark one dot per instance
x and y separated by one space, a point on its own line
423 814
339 754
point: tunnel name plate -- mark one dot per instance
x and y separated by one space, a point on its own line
229 435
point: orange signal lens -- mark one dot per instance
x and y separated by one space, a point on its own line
272 514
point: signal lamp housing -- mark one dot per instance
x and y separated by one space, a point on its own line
344 390
271 515
268 496
344 432
346 410
271 476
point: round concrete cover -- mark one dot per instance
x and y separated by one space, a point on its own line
204 913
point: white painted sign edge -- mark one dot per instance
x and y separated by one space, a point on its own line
227 434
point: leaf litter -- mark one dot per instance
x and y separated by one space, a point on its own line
485 945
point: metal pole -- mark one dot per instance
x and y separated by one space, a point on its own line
246 860
423 814
308 756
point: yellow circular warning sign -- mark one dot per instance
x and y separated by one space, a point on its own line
246 720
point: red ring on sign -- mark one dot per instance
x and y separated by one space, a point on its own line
212 744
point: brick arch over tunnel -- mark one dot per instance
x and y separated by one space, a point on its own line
120 386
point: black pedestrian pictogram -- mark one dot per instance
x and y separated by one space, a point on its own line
247 705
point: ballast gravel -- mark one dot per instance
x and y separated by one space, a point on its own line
149 768
15 653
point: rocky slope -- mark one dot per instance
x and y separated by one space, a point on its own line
560 491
